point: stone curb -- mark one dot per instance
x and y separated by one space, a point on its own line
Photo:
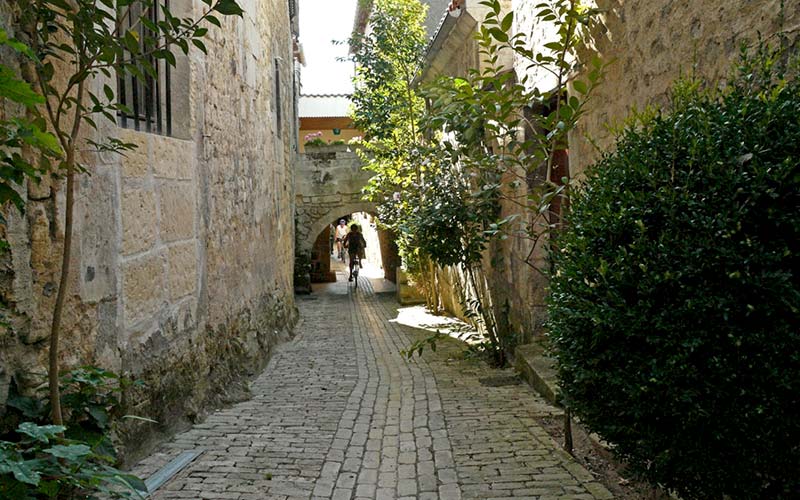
538 370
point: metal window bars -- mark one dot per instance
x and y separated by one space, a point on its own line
148 99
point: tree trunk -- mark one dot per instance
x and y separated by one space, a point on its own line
55 328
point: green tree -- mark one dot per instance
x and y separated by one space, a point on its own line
481 132
72 44
488 114
388 109
388 57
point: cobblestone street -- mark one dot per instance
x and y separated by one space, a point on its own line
340 414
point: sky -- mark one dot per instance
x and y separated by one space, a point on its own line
322 21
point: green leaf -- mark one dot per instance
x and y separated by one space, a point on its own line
23 471
16 45
507 21
41 433
169 57
30 407
128 480
228 8
44 141
17 90
69 452
554 46
580 87
49 488
131 41
99 414
200 45
499 35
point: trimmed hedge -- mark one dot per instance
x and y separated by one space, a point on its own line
674 300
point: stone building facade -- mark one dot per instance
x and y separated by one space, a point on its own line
182 274
651 43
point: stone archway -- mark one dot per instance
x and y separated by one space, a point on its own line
319 217
321 257
328 184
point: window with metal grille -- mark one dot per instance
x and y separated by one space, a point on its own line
147 97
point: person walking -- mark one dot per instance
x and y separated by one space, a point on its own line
341 233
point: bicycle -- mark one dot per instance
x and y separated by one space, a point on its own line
356 267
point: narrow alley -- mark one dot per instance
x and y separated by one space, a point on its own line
340 414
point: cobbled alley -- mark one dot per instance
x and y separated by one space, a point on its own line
340 414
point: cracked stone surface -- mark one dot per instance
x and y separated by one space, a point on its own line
340 414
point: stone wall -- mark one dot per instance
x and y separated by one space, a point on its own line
651 43
182 268
321 258
329 184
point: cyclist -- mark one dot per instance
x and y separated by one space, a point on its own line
355 244
340 232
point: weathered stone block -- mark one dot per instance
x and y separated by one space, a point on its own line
138 220
39 190
142 287
328 198
172 158
182 269
40 238
135 163
99 234
177 202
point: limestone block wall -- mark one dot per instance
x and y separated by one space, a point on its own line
182 269
653 42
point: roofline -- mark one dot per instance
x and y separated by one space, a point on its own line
361 19
326 95
439 38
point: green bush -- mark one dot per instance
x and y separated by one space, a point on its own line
675 295
77 460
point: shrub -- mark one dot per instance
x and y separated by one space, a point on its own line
72 461
40 463
674 300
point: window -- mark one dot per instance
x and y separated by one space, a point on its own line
148 99
278 104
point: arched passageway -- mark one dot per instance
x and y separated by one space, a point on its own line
329 183
381 250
